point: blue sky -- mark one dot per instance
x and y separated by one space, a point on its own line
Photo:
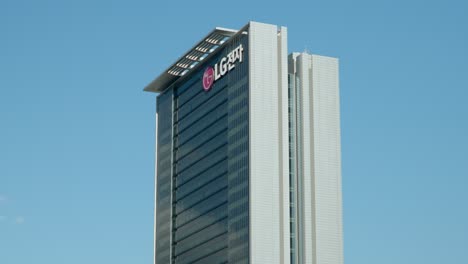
77 132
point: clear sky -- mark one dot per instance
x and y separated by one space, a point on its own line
77 131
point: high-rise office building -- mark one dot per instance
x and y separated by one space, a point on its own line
248 166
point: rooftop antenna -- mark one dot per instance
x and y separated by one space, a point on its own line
306 49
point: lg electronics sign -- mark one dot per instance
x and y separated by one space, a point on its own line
225 65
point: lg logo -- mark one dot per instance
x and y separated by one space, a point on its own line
208 78
225 65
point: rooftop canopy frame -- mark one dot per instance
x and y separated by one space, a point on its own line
191 59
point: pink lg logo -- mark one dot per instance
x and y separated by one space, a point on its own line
208 78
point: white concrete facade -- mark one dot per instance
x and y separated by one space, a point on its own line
318 152
269 170
319 158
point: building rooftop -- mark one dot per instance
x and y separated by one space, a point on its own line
191 59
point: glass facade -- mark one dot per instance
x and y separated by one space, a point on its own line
164 177
202 210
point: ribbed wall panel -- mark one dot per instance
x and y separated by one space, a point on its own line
319 159
265 193
283 143
327 160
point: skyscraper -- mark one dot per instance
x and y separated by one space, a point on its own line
248 166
